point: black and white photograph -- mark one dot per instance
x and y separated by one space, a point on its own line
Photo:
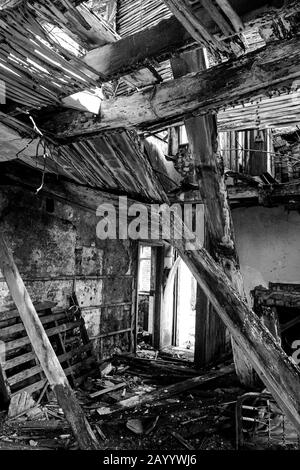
149 231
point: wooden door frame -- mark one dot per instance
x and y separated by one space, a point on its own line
160 251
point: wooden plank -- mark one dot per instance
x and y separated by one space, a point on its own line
184 12
44 351
30 389
4 387
6 4
39 306
19 327
17 343
165 392
41 383
16 361
25 374
231 14
182 441
119 58
107 390
218 18
251 76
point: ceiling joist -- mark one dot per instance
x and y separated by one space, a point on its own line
274 67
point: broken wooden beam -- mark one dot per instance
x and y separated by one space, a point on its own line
165 392
44 351
251 76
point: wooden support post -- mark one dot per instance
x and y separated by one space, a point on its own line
44 351
202 137
4 388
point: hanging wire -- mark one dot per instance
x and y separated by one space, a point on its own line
42 141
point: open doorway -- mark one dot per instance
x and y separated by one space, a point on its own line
150 280
179 310
185 293
178 315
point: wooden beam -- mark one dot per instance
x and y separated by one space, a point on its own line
255 74
162 40
159 42
61 189
44 351
231 14
184 12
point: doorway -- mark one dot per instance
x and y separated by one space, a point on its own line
149 292
178 318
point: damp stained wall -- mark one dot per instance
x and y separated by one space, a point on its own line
56 250
268 243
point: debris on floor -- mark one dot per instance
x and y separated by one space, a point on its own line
142 403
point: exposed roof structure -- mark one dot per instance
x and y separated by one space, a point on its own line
53 56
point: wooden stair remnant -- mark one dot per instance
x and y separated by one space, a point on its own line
44 351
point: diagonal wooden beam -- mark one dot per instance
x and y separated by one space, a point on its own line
251 76
184 12
6 4
231 14
159 42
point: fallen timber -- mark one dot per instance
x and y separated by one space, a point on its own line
165 392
